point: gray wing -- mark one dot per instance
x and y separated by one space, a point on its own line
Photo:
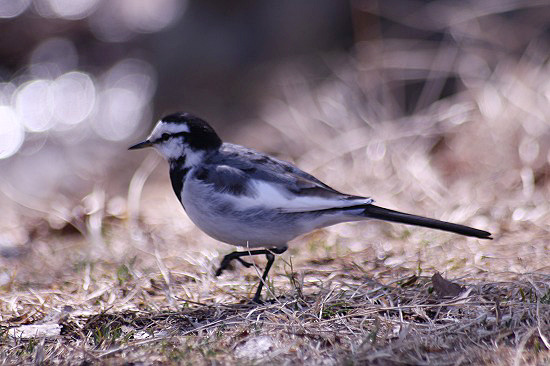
261 180
225 179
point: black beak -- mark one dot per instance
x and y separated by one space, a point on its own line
141 145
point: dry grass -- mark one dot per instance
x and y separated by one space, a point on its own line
130 280
343 307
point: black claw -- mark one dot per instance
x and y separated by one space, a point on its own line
223 265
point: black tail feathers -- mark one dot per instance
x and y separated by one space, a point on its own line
385 214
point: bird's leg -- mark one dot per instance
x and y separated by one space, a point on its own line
270 259
269 254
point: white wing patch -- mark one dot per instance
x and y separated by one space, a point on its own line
270 196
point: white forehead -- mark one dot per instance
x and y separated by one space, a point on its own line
167 127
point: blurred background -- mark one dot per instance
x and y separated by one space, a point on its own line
437 107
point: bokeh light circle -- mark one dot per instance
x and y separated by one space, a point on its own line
120 113
127 89
150 16
53 57
12 133
34 105
13 8
74 97
72 9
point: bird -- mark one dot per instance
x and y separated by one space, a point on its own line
246 198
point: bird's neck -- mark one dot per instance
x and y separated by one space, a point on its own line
180 167
178 174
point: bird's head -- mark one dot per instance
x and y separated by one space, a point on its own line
181 136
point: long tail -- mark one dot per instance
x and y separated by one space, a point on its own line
381 213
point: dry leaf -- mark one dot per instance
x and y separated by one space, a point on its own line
446 288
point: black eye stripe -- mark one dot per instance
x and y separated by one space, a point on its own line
167 136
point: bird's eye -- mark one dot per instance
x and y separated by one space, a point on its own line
165 136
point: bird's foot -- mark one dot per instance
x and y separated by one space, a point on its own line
245 263
226 263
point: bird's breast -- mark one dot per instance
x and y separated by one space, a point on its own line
216 214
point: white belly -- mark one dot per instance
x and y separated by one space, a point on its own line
218 218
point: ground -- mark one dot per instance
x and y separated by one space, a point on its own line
354 294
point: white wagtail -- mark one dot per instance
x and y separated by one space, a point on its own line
245 198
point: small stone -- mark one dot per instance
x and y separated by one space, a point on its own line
35 331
